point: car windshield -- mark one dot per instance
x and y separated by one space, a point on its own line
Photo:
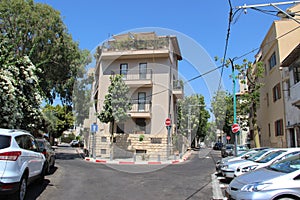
229 146
4 141
242 148
270 156
288 165
257 155
41 144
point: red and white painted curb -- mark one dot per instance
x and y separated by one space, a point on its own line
104 161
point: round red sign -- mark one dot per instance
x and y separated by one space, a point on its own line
168 122
235 128
227 137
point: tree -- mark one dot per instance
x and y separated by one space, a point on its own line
222 108
36 30
192 114
82 92
19 90
116 103
59 119
250 100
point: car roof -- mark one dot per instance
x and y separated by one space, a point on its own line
13 132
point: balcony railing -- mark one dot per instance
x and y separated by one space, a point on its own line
178 88
135 75
141 106
114 45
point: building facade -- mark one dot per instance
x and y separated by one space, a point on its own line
149 65
292 97
282 37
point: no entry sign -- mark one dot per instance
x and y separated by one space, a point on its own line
168 122
235 128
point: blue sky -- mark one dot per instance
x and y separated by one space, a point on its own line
202 26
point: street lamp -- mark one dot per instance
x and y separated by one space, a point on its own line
189 122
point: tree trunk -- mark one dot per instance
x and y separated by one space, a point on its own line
112 140
256 136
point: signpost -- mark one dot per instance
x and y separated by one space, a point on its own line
94 129
168 126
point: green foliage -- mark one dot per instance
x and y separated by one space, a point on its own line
193 105
37 30
59 119
222 108
141 137
116 103
19 90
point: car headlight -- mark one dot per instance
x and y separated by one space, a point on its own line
249 168
254 187
225 167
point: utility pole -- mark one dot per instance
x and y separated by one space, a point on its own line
234 105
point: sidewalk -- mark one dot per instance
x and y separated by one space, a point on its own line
130 161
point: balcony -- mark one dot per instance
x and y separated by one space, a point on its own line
178 89
140 109
295 95
136 78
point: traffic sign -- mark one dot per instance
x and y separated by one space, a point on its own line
228 137
94 128
168 122
235 128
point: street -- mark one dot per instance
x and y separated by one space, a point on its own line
74 178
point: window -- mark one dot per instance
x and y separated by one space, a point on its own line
124 70
267 96
269 129
120 128
143 70
141 123
296 71
272 60
26 142
276 92
141 101
279 127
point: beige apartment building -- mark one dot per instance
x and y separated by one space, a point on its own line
281 39
149 65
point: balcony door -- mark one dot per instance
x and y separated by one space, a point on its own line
141 101
124 70
143 70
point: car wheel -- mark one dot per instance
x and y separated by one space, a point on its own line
53 162
21 193
43 173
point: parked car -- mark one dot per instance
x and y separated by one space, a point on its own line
278 181
229 168
21 162
76 143
49 153
267 160
218 146
227 150
244 155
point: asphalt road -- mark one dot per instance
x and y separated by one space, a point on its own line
74 178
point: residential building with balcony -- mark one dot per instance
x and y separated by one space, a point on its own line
149 65
292 96
282 37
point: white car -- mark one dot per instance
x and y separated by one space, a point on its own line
278 181
21 162
229 168
267 160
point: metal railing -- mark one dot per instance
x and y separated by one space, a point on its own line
141 106
134 75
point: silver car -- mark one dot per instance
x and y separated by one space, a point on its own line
278 181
